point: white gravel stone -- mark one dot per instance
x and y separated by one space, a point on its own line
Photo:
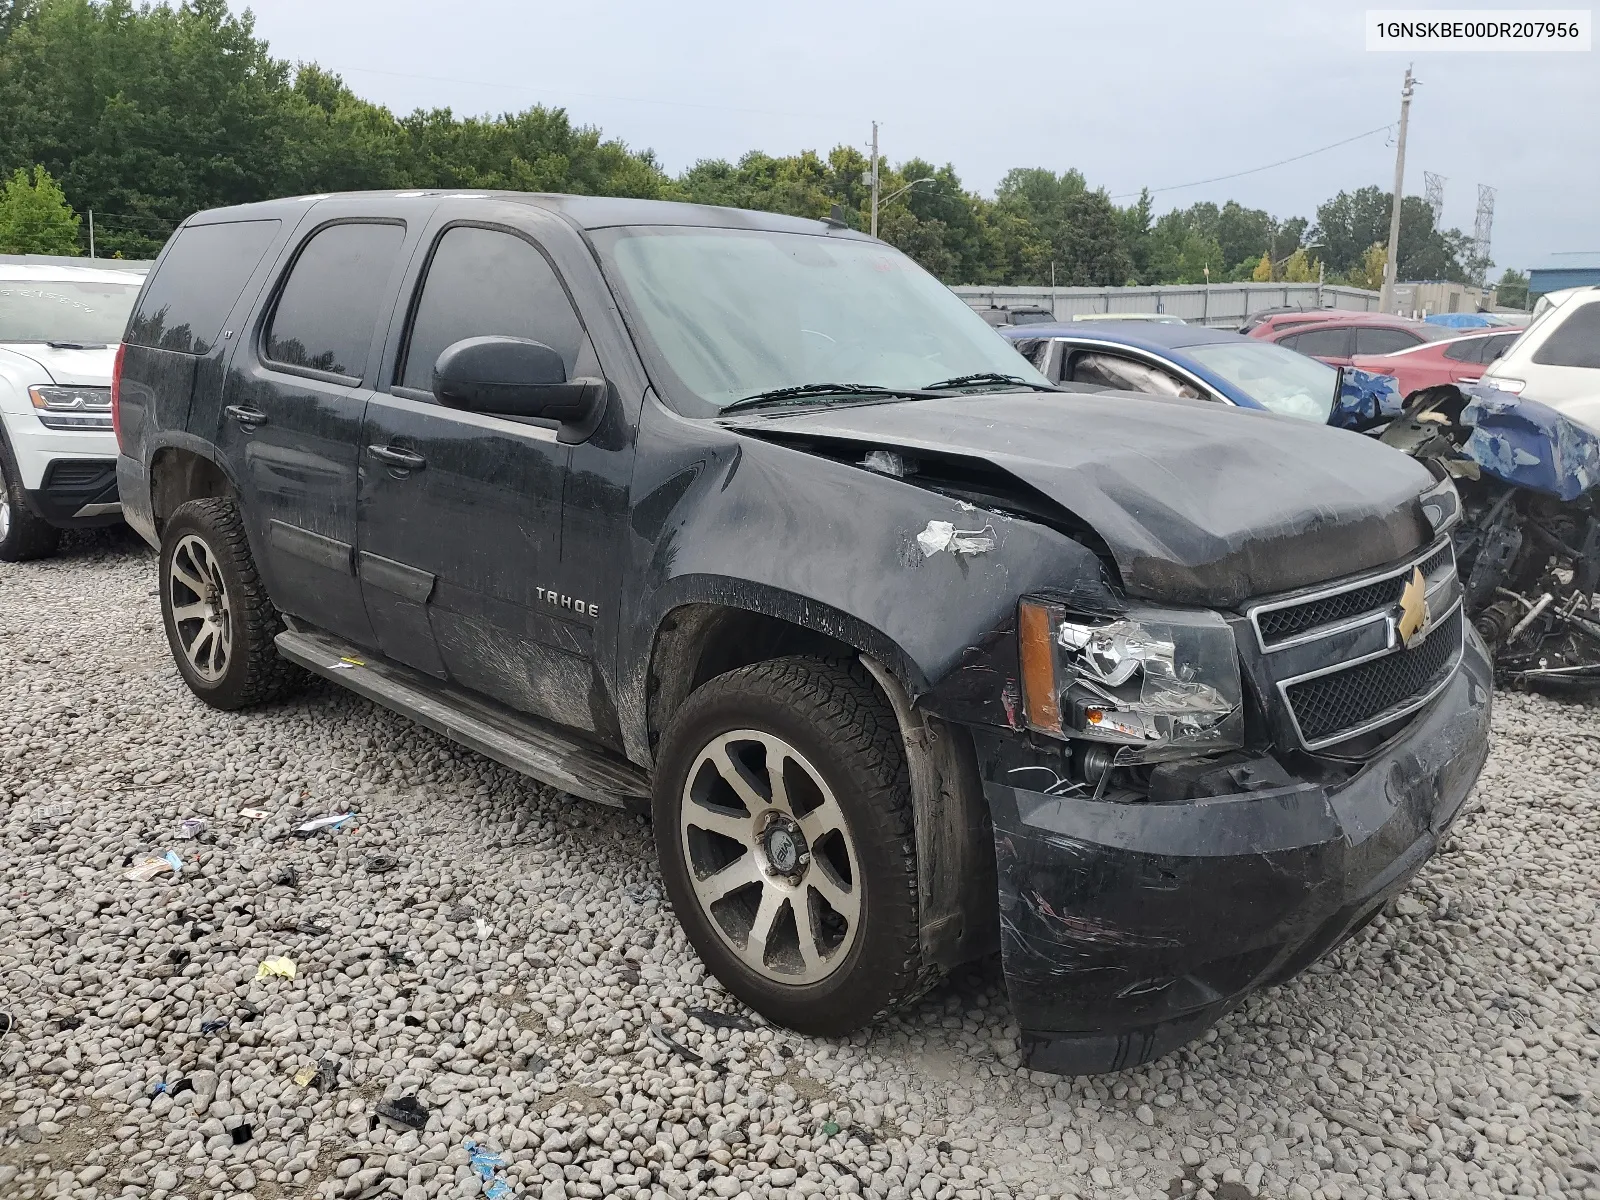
519 971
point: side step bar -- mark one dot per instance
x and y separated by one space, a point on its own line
521 743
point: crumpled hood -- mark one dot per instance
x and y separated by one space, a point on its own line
87 368
1198 503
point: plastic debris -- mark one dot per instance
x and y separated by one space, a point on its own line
407 1111
311 929
304 1076
484 928
689 1056
346 664
942 535
378 864
178 956
192 828
642 893
332 823
282 967
288 877
712 1019
242 1134
327 1075
830 1127
486 1163
255 814
147 869
216 1025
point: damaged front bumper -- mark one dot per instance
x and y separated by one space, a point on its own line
1128 929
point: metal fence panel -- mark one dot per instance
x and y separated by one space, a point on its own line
1223 304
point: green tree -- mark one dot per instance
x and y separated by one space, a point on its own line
1353 221
1300 267
35 217
1512 290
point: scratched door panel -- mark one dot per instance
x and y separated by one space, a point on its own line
482 518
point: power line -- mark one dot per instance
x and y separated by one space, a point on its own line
1255 170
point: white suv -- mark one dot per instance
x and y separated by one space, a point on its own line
1557 360
59 331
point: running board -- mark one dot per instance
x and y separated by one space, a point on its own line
519 742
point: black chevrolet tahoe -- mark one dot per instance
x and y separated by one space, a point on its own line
746 520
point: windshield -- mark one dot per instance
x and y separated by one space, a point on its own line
1277 378
64 311
727 314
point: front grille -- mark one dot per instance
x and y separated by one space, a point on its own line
1281 624
1354 697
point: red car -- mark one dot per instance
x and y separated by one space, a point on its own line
1458 359
1337 337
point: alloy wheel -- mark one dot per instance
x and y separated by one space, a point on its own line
771 857
202 613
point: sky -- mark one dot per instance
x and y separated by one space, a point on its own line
1155 93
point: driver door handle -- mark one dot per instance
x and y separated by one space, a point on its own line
246 416
398 456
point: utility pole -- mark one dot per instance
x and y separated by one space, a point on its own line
91 233
874 179
1386 296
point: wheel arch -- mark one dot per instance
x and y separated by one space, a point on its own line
181 471
698 640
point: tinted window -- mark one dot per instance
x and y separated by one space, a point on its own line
1466 350
326 312
194 289
1494 347
1329 343
1575 342
1035 350
1384 341
482 282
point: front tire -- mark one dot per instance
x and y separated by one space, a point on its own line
784 829
220 624
23 536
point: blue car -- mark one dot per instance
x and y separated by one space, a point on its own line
1206 364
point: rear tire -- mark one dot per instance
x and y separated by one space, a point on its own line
797 884
23 536
219 622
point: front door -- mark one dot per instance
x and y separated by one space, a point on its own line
460 550
291 420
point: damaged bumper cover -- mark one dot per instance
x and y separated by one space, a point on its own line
1128 929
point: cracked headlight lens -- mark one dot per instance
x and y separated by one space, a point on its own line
1157 683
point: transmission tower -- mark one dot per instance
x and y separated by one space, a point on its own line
1433 186
1481 229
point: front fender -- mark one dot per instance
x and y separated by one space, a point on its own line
721 517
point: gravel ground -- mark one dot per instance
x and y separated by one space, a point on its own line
517 970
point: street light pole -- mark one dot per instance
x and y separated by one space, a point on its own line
874 179
1386 296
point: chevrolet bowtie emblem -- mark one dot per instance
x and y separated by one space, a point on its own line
1413 609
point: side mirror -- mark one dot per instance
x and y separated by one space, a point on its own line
517 378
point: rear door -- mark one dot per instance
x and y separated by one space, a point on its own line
1332 346
461 554
292 409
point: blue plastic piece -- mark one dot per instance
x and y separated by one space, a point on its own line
1528 444
1365 399
486 1163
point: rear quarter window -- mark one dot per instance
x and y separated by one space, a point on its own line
1575 342
1327 343
194 289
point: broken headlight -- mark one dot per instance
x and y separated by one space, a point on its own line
1156 683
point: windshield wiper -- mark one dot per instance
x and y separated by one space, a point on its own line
76 345
789 395
961 381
